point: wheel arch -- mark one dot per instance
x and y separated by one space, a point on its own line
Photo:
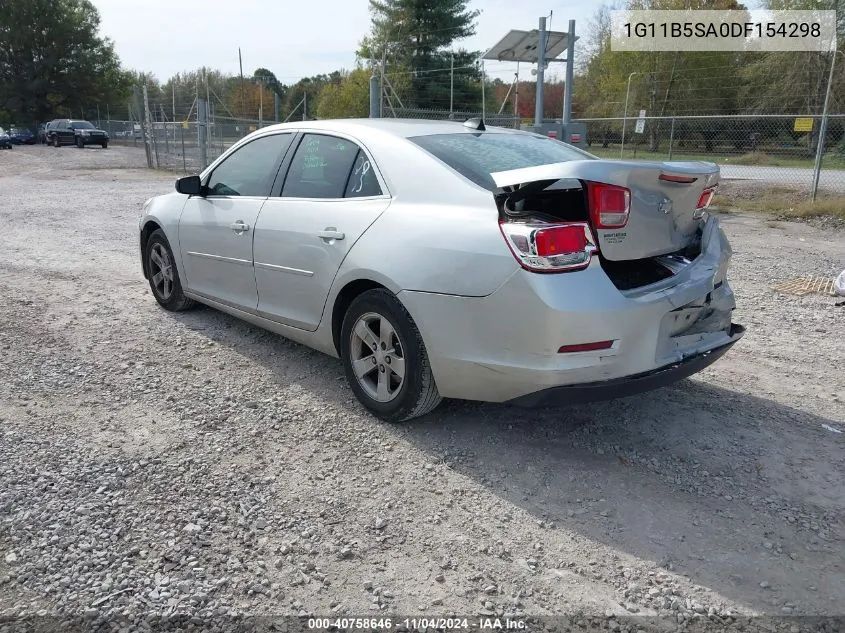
342 302
150 227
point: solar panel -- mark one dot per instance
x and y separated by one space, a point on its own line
521 46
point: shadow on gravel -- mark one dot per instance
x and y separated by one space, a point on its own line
727 488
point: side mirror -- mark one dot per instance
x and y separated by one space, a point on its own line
189 185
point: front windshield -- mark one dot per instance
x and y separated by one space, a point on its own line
81 125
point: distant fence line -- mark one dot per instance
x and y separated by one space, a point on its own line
779 150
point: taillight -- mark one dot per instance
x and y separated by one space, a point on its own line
609 205
541 247
705 198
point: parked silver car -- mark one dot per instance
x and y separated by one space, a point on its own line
441 259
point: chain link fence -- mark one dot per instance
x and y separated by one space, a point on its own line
187 146
499 120
775 149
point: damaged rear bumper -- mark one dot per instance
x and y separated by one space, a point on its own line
629 385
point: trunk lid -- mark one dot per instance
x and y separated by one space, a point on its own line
663 215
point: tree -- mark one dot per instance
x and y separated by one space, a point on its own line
663 82
53 60
416 37
303 96
409 31
349 98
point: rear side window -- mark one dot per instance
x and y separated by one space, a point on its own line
329 167
250 170
477 155
362 180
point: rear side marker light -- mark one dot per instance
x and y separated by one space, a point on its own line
585 347
686 180
610 205
550 247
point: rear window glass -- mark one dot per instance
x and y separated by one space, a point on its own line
476 156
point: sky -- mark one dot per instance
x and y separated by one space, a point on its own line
292 38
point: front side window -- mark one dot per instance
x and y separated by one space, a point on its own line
476 156
250 170
326 167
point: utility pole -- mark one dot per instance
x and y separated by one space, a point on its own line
173 86
541 63
243 94
483 96
260 101
452 83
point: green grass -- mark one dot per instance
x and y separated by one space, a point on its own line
831 161
779 202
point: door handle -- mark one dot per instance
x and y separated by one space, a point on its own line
330 233
240 227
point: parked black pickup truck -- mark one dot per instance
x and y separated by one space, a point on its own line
73 132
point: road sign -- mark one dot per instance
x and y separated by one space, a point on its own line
640 123
803 125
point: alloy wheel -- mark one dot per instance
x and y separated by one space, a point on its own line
161 271
378 360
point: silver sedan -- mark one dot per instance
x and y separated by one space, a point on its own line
443 259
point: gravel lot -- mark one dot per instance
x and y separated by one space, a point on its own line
191 463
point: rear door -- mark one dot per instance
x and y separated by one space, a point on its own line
332 193
60 131
216 230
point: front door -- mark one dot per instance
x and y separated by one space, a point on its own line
216 229
331 195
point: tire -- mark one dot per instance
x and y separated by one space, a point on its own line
56 141
379 389
105 144
155 250
80 144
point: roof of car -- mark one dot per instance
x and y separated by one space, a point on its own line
397 127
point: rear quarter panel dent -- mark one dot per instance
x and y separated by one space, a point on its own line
435 249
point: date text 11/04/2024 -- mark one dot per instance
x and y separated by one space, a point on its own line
725 29
418 624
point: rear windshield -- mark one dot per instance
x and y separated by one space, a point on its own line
476 156
81 125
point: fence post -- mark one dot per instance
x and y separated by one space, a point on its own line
822 132
202 132
671 137
184 162
139 108
375 97
148 119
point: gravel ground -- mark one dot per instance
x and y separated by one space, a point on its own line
155 463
